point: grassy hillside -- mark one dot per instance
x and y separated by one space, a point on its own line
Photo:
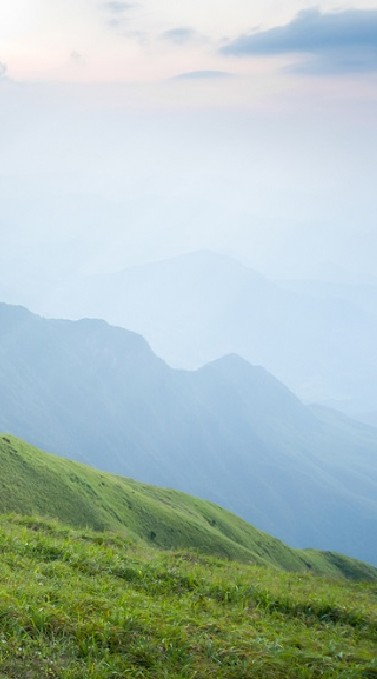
33 482
80 604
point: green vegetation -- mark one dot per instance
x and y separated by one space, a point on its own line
79 604
35 483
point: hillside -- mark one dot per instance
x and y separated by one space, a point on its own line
80 604
229 432
34 482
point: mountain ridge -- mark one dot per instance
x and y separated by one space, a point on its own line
228 432
317 338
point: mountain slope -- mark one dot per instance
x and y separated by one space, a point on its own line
228 432
35 482
81 604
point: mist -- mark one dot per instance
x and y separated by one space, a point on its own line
92 181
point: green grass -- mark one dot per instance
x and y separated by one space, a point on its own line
33 482
78 604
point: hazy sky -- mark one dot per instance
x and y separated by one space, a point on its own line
131 131
116 40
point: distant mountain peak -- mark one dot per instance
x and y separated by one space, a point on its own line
203 258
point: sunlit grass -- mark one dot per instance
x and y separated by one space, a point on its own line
76 604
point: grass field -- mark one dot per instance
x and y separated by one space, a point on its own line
77 604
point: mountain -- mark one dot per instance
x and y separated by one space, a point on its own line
229 432
75 603
368 418
34 482
318 338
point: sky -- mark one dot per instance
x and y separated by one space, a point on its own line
133 131
148 40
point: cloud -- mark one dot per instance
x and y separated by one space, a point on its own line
203 75
76 58
340 41
364 61
181 35
117 12
116 7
